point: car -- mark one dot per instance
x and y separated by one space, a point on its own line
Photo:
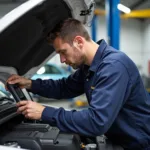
50 71
24 50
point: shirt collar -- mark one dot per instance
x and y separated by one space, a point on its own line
98 55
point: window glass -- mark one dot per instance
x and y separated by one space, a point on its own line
51 70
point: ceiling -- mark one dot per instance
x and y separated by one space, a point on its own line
7 5
132 4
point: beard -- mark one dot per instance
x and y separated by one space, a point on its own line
75 66
80 61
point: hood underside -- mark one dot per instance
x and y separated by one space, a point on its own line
23 44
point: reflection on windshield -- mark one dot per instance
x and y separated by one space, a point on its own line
3 94
6 98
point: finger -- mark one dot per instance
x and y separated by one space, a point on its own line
12 77
28 116
21 103
15 80
26 111
21 109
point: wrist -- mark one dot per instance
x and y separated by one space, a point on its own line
29 84
42 109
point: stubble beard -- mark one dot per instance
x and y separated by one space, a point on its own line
81 62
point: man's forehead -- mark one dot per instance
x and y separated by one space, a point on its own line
59 44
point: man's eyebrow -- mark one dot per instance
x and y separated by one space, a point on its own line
57 51
60 50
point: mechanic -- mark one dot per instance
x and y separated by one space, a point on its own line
119 105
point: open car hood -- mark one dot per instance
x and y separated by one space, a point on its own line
23 31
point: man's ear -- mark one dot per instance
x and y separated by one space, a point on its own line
78 41
75 44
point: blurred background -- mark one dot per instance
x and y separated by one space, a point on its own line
124 24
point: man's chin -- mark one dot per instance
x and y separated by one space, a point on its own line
76 66
73 66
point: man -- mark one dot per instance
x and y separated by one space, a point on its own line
119 106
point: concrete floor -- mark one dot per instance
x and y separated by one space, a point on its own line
57 103
67 104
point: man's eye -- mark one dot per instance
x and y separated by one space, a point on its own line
63 52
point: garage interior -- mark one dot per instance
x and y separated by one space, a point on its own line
131 36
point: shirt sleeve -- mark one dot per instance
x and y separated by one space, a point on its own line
111 84
63 88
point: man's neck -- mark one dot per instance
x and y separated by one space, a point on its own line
91 49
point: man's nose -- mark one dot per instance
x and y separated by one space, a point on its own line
62 59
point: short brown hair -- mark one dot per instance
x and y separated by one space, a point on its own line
67 30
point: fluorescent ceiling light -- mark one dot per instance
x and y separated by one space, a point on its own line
123 8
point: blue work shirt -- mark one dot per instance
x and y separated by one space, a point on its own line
119 105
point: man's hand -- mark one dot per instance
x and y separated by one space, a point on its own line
23 82
30 109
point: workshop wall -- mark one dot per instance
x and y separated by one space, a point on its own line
132 32
131 40
146 47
